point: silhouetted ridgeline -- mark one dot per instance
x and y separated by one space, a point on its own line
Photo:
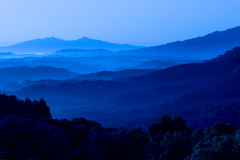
208 46
12 77
27 130
136 101
82 52
73 64
53 44
35 73
3 54
117 75
231 54
162 64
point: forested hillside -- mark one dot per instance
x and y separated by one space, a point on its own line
29 132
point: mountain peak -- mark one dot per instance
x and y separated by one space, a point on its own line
52 38
85 38
52 44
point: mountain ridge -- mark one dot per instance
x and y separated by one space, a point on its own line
208 46
52 44
228 55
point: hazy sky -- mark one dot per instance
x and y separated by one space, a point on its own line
119 21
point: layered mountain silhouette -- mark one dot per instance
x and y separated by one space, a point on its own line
12 76
5 54
83 52
53 44
173 89
208 46
110 75
231 54
160 64
32 73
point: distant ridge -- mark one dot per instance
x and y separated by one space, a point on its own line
52 44
6 53
82 50
208 46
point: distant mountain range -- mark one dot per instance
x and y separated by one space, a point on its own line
208 46
205 47
4 54
83 52
54 44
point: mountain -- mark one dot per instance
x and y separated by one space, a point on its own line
159 64
12 76
208 46
110 75
229 55
118 101
53 44
83 52
38 72
6 54
79 65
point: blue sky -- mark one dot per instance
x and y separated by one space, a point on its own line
146 22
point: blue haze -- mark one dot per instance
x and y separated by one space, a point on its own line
135 22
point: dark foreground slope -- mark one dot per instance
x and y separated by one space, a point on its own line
27 131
